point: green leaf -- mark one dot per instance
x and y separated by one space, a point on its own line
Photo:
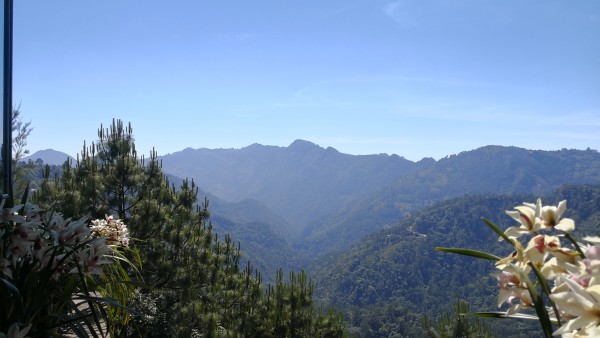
24 199
9 306
497 230
574 242
501 314
540 309
11 287
469 252
111 301
544 284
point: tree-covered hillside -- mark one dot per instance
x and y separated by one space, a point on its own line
304 174
301 182
389 279
188 280
48 156
487 170
262 247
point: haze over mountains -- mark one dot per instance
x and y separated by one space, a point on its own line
365 226
387 280
48 156
302 182
321 200
329 199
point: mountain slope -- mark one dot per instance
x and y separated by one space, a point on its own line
290 187
262 247
301 182
491 169
397 268
255 228
49 156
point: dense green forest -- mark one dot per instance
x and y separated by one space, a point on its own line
390 283
390 279
486 170
327 201
191 281
269 193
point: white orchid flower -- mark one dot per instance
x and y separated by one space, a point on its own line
529 216
581 303
551 217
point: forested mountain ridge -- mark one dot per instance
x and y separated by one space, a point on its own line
387 281
48 156
262 247
301 182
319 200
487 170
392 277
329 200
247 221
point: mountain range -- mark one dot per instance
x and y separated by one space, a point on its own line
302 182
365 226
313 200
328 200
49 156
390 278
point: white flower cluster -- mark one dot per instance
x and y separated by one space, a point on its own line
115 231
574 271
59 255
40 240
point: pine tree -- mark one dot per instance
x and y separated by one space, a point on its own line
20 171
195 285
456 324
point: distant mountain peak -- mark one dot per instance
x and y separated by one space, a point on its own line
302 144
49 156
256 146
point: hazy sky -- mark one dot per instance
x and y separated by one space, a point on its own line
418 78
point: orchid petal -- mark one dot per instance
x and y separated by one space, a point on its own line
566 225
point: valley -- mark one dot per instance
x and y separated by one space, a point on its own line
364 227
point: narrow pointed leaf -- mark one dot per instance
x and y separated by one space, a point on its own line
10 286
24 199
575 244
469 252
497 230
544 284
500 314
113 302
540 309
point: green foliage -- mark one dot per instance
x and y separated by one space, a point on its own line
397 267
57 277
455 324
194 282
487 170
21 131
20 171
266 249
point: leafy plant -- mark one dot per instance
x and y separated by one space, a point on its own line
61 275
454 325
560 283
193 281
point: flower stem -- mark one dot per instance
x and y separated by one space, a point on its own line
545 288
575 244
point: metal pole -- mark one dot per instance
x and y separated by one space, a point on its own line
7 101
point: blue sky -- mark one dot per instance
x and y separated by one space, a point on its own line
417 78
